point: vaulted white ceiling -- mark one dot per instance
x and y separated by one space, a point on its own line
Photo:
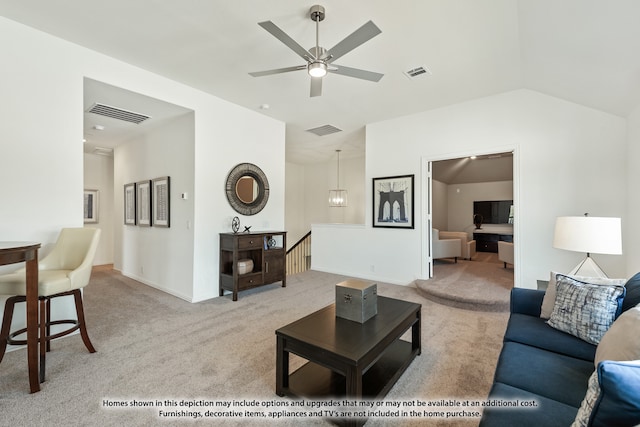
584 51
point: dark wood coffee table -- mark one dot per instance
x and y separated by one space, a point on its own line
347 358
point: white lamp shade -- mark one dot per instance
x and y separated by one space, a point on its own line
590 234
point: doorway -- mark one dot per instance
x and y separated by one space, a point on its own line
451 186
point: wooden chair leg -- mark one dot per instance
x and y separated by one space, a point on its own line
81 322
6 324
44 327
48 323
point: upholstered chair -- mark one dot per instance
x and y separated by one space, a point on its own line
64 271
445 248
467 246
505 252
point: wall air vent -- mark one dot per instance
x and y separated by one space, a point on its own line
324 130
117 113
418 71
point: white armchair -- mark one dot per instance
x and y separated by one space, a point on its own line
467 246
445 248
505 252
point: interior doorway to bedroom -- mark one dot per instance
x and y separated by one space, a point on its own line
474 195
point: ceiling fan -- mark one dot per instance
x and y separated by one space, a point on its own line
319 60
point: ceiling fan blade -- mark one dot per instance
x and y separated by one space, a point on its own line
316 86
284 38
352 41
278 71
356 72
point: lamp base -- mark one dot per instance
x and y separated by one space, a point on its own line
588 268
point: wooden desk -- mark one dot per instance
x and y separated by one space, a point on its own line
15 252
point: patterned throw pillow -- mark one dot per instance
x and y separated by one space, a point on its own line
549 299
589 401
585 310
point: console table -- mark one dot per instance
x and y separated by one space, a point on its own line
267 251
488 242
27 252
347 358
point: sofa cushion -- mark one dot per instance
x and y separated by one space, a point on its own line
534 331
585 310
622 340
548 412
549 299
613 396
551 375
632 298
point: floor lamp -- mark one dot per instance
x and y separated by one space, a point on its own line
590 234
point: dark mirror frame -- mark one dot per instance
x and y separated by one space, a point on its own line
242 170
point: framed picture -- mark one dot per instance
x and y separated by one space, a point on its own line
130 204
90 206
161 201
393 202
143 203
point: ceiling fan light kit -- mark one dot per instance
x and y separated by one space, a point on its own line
317 69
318 58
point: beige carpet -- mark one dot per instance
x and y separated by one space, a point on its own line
481 284
153 346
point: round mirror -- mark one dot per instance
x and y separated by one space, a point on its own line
247 189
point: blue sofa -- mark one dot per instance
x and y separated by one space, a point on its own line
539 363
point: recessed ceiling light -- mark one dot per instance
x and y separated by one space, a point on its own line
264 106
98 127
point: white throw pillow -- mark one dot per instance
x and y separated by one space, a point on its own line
622 340
549 299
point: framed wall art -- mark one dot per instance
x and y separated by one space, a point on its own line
90 206
393 202
161 201
130 204
143 203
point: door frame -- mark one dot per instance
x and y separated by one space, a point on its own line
427 206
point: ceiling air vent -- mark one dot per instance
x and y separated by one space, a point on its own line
324 130
117 113
418 71
103 151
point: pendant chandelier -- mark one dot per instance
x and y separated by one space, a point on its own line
338 197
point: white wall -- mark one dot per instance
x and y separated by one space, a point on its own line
569 160
154 255
308 195
631 227
440 205
98 175
42 77
294 214
462 196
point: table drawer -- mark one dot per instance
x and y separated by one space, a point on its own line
250 280
250 242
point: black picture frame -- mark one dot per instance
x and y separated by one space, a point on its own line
161 201
393 202
143 203
91 206
130 213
